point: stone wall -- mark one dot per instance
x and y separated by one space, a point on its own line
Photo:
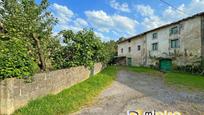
15 93
97 68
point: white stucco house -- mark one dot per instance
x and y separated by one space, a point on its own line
182 41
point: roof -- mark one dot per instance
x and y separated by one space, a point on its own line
166 25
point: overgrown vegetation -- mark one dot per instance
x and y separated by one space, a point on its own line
71 99
27 43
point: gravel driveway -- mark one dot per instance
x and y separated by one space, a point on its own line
133 91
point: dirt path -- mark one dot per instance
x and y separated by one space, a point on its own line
133 91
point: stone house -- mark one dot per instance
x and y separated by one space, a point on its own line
182 41
134 49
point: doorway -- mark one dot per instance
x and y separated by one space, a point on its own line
129 61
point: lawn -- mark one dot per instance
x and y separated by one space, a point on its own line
185 79
71 99
177 79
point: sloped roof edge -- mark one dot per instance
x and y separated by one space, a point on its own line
163 26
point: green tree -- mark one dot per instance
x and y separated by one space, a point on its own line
15 61
109 51
82 48
31 23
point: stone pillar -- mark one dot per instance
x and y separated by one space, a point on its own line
6 96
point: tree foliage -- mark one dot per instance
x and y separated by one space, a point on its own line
27 28
110 50
25 20
81 48
15 61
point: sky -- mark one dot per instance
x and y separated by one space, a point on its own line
112 19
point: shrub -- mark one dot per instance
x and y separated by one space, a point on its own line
15 60
195 69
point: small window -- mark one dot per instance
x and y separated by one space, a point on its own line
121 50
155 46
174 30
129 40
129 49
175 43
154 35
138 47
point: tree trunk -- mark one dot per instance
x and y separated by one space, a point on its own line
40 53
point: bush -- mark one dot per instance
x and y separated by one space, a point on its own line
194 69
15 60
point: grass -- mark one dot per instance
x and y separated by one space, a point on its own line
193 82
71 99
177 79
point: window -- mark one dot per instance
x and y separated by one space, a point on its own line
175 43
138 47
174 30
129 49
121 50
155 46
129 40
154 35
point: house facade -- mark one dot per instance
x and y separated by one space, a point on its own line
134 51
181 41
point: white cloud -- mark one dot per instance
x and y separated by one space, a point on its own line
63 13
103 22
150 20
122 23
79 22
121 7
195 6
102 36
144 10
100 20
67 19
171 14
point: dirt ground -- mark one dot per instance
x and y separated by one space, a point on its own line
132 91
